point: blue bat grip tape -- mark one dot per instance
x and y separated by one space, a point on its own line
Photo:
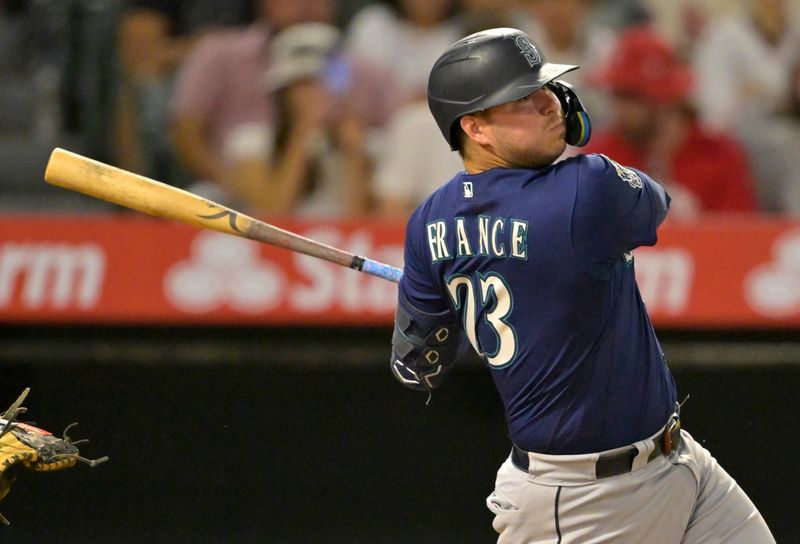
382 270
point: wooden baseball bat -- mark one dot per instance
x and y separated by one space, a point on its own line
84 175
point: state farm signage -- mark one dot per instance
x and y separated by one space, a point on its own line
723 272
773 288
124 269
665 279
48 275
226 272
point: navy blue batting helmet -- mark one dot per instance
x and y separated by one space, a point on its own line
493 67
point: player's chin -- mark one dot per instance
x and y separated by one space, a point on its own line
537 155
554 151
542 158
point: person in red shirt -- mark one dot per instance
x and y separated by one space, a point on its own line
654 128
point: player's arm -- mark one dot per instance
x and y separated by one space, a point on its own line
617 209
427 336
424 346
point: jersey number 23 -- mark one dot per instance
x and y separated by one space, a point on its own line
491 296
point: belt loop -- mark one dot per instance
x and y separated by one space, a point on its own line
531 467
644 447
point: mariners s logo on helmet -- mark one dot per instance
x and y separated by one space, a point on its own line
528 50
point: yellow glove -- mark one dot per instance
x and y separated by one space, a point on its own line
12 451
33 448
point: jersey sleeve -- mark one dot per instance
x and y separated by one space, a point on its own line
616 209
417 286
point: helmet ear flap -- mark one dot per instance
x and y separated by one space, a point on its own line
576 118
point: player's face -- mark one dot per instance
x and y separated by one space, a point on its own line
529 132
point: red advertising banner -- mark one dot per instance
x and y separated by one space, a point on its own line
723 272
718 272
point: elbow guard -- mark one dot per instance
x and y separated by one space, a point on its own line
423 348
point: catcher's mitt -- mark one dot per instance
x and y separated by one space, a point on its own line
23 445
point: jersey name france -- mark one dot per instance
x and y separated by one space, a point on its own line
537 267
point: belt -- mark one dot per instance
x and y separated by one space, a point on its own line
608 465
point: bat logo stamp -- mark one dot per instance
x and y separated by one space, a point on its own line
232 216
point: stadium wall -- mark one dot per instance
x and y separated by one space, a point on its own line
300 434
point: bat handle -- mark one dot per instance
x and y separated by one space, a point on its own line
376 268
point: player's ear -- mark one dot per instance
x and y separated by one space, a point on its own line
474 129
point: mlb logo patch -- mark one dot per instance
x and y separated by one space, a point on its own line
467 189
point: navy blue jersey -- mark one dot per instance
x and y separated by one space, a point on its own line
538 267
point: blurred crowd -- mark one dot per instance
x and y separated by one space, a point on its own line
316 108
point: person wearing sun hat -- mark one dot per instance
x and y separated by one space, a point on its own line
654 127
299 52
315 162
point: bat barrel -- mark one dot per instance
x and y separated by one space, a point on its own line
78 173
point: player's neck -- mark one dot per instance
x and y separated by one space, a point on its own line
475 163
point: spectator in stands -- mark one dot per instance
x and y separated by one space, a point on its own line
220 99
620 14
476 15
566 31
32 56
794 93
403 44
792 192
414 161
222 113
655 129
88 72
23 146
774 149
154 38
744 64
683 22
316 164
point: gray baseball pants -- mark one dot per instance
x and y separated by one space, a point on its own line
684 498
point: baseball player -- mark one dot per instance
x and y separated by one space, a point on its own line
530 262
